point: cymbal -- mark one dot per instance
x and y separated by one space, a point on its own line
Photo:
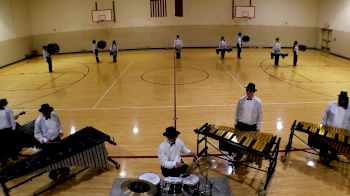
137 187
202 164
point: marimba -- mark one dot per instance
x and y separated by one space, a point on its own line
256 145
335 138
85 148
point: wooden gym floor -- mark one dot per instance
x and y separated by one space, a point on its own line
133 101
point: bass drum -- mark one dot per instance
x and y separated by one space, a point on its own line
190 183
172 185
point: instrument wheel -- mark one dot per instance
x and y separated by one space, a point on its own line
261 192
283 158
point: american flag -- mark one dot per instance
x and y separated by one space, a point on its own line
158 8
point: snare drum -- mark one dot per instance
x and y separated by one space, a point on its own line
172 185
152 178
190 183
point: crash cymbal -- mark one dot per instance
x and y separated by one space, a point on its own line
136 187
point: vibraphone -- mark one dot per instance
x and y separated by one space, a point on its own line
256 145
85 148
335 138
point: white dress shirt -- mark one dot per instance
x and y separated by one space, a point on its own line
94 47
249 111
7 119
239 41
336 116
276 47
114 49
47 129
222 44
296 49
178 43
45 54
169 155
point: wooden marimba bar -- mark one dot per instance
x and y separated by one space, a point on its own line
335 138
256 145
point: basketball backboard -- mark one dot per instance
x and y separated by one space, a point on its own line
244 11
102 15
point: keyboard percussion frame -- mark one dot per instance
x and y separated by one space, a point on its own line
257 145
335 138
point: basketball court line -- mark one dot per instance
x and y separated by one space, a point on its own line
171 106
112 85
232 76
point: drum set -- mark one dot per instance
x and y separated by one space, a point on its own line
150 183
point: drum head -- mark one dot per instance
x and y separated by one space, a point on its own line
191 180
173 180
150 177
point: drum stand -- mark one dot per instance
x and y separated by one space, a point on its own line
208 187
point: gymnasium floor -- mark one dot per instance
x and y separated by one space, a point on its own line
133 101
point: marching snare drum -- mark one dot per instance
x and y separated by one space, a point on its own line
172 185
190 183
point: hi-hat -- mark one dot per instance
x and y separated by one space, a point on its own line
136 187
202 164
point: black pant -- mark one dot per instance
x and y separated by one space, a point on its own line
174 172
277 58
245 127
239 50
222 51
96 55
49 62
295 59
114 57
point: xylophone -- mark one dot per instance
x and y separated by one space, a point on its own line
256 145
335 138
85 148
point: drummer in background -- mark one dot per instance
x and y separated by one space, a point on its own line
47 57
7 126
239 45
222 47
114 51
276 49
295 52
169 154
178 46
95 50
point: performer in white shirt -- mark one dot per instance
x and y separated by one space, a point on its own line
114 51
248 117
239 45
48 130
169 154
249 112
7 127
95 50
276 49
295 52
47 57
178 46
222 47
336 115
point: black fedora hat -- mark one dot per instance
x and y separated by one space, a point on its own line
45 108
171 132
251 86
343 95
